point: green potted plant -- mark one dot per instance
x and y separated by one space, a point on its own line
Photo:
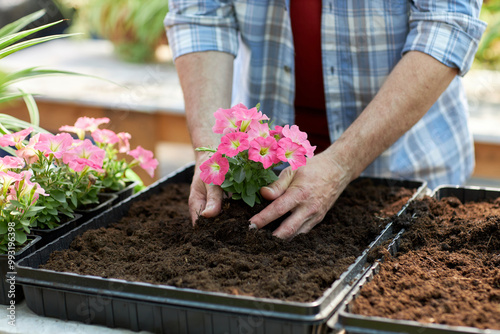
134 27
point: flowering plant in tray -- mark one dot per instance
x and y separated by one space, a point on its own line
117 171
249 150
49 176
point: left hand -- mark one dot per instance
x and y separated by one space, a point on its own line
307 192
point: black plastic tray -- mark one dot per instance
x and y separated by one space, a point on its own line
6 272
355 323
165 309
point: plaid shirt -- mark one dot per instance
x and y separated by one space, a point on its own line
362 40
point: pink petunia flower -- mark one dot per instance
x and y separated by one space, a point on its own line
277 132
105 136
214 169
15 139
54 144
7 179
264 150
298 137
84 154
225 121
291 152
28 186
83 124
29 153
233 143
145 158
245 116
8 162
257 129
123 142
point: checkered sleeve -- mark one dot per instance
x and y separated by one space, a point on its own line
195 26
446 30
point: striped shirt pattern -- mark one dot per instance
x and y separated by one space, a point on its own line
362 40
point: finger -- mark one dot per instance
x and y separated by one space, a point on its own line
276 209
214 201
278 187
197 202
297 223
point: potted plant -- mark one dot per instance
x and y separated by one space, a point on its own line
117 176
135 29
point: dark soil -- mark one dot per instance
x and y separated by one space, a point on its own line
156 243
447 271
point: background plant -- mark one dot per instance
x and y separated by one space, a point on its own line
134 27
488 53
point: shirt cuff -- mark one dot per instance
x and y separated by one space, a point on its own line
197 34
451 38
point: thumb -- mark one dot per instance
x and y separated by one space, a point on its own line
278 187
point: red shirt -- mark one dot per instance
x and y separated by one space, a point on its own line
310 107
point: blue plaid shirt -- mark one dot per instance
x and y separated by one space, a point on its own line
362 40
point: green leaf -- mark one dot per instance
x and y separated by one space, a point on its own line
249 199
3 229
21 237
19 24
239 175
23 45
58 196
251 188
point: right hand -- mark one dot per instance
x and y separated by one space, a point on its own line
204 199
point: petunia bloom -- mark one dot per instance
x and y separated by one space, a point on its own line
54 144
257 129
105 136
233 143
84 154
123 142
29 153
15 139
225 121
245 116
291 152
264 150
214 169
84 124
9 162
145 158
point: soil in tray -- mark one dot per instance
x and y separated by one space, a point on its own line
157 243
447 270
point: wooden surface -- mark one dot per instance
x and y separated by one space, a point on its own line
487 160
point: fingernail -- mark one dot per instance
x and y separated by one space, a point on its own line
252 227
271 190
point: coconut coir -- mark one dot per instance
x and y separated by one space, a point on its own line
447 270
156 243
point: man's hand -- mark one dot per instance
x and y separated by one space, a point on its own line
204 199
308 192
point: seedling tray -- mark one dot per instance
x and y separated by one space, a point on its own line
166 309
355 323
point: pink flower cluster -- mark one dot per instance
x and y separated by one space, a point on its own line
108 138
246 129
76 153
17 186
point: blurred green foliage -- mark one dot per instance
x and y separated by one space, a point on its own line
488 53
135 27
